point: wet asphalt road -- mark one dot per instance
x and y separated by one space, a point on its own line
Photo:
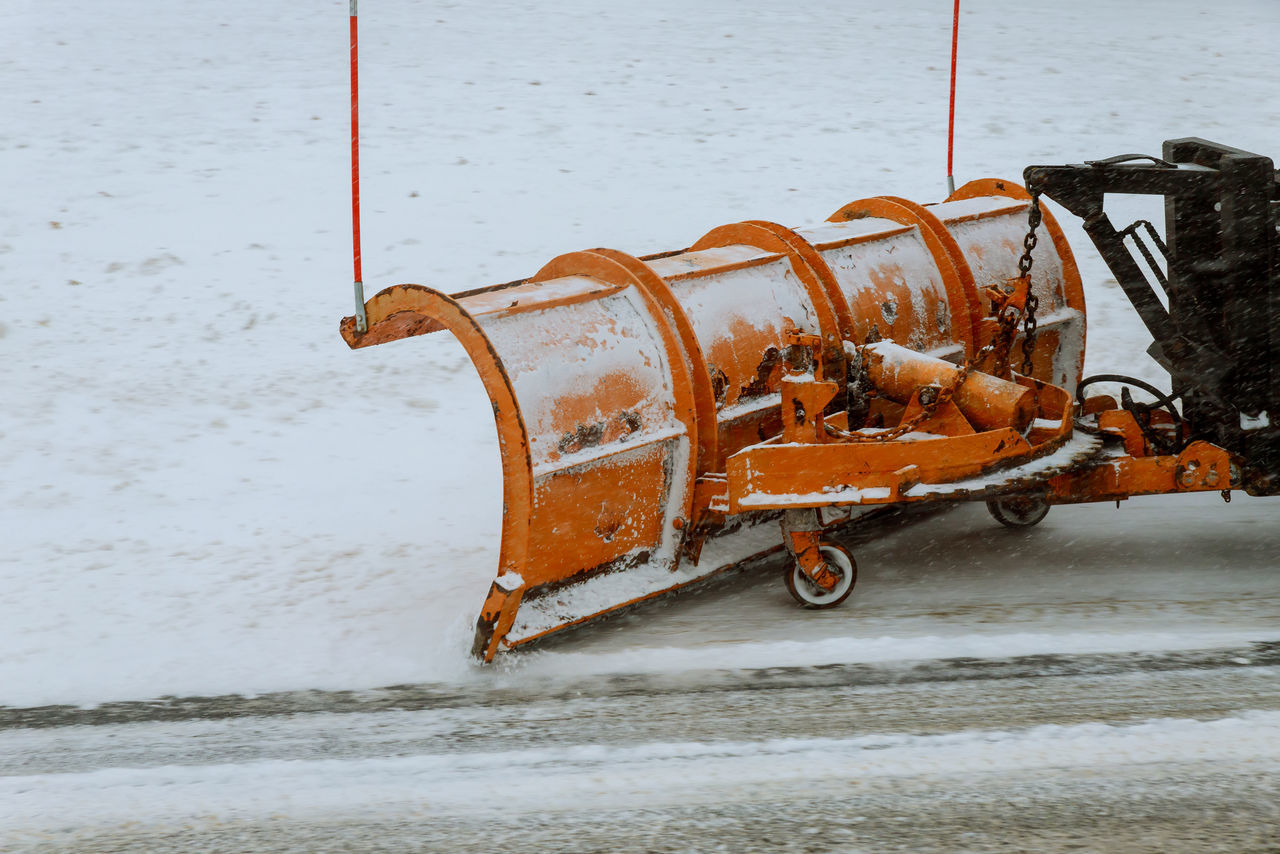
1121 752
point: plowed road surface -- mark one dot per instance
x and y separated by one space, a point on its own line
639 737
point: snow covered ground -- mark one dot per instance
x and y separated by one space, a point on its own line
202 490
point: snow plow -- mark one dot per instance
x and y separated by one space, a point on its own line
664 418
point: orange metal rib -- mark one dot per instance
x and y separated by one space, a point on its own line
836 321
962 296
686 344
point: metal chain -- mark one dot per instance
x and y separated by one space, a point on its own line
1024 271
1002 342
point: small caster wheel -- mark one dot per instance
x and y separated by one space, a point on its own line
1018 511
810 595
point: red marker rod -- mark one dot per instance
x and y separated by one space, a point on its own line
362 321
951 114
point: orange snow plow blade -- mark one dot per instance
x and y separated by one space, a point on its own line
646 408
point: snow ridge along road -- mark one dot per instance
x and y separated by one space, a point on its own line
509 692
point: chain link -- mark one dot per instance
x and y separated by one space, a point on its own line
1024 271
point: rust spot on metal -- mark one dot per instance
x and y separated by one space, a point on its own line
889 311
768 374
608 530
586 436
631 422
719 384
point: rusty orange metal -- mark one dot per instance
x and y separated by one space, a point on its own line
962 308
810 466
1200 467
987 402
734 303
806 548
624 388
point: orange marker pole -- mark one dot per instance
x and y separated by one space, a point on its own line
362 322
951 115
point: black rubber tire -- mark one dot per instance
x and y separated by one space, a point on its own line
808 594
1018 511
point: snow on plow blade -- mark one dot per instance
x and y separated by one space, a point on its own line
621 386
